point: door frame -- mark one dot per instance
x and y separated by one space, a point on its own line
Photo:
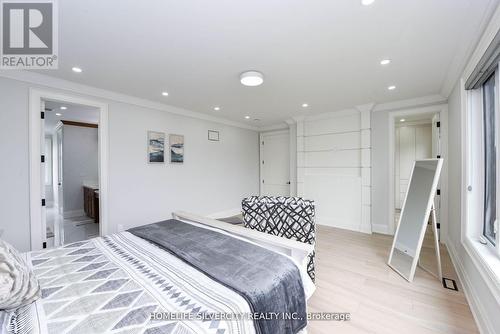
262 135
442 110
35 130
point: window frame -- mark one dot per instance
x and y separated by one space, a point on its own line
486 238
485 257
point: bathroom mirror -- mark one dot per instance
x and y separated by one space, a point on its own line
414 218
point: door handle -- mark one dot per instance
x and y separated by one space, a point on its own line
288 182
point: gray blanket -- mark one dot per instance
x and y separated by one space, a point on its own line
270 282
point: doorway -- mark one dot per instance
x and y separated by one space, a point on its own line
60 125
275 163
415 134
72 191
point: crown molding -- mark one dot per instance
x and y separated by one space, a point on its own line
47 81
467 50
486 38
423 101
366 107
278 126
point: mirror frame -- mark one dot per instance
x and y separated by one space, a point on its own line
430 205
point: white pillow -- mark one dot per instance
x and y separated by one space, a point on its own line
18 284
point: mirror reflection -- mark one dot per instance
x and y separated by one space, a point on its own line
414 217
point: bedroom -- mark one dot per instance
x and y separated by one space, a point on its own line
203 106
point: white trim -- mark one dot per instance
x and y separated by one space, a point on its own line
442 110
480 314
483 257
380 228
471 34
35 97
75 88
424 101
487 37
485 260
274 127
225 213
330 114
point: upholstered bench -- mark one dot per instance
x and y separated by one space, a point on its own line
288 217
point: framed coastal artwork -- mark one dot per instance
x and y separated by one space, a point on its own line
176 149
156 147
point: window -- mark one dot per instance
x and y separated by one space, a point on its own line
489 93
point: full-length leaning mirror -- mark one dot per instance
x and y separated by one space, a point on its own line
415 213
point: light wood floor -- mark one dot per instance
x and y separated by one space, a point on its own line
352 276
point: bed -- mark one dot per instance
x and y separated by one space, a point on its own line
161 278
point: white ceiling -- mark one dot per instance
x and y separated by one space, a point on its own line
322 52
74 112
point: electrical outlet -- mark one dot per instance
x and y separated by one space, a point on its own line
120 227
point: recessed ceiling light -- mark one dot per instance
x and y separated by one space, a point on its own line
385 62
402 120
247 117
391 87
216 108
58 114
64 108
164 93
305 105
77 69
367 2
251 78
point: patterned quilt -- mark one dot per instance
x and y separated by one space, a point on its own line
113 284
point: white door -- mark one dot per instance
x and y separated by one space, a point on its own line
59 170
275 163
436 152
43 165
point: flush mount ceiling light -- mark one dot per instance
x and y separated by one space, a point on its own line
77 69
367 2
251 78
305 105
391 87
385 62
64 108
216 108
164 93
247 117
58 114
402 120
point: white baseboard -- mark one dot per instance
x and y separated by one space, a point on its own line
226 213
483 323
74 213
379 228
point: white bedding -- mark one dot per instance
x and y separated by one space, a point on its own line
113 284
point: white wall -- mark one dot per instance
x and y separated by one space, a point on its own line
215 175
380 174
80 165
333 167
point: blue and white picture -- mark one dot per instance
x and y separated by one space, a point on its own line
176 149
156 147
